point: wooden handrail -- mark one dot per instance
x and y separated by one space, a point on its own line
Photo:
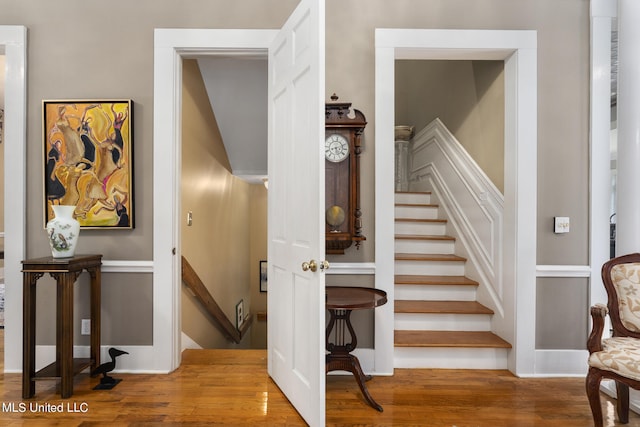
193 282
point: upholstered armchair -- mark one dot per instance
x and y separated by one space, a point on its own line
618 357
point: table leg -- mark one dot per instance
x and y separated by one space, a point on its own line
340 357
349 362
95 316
64 333
29 334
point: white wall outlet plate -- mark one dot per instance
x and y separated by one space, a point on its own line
239 314
85 327
561 224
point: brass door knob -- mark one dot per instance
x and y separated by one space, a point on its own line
311 265
324 265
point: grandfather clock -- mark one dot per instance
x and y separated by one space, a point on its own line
342 148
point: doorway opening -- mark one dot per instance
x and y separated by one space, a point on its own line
223 198
172 46
296 67
518 51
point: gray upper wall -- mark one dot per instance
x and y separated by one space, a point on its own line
84 50
563 96
80 49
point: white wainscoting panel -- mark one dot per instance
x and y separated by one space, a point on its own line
473 204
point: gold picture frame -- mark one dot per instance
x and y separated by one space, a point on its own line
88 160
263 276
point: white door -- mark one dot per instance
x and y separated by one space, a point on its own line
296 211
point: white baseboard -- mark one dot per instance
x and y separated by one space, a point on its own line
561 363
188 343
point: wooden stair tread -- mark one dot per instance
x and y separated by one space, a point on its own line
460 339
441 307
427 220
429 257
424 237
410 279
417 205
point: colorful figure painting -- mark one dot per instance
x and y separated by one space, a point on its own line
88 161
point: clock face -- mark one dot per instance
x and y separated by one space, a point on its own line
336 148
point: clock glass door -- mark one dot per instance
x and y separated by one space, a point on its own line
337 212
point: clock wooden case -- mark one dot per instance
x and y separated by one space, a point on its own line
343 146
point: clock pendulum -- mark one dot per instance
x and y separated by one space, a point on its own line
335 218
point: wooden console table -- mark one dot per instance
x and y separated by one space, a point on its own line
65 271
341 301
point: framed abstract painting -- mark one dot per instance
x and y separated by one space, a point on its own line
88 161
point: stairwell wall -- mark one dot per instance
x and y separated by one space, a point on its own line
468 96
217 245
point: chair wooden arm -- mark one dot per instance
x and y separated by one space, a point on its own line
598 313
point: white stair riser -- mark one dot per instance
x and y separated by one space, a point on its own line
436 357
450 358
403 246
413 198
416 212
435 292
442 322
421 228
426 268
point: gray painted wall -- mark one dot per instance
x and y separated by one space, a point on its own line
80 49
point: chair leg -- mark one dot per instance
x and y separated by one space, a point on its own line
622 405
593 393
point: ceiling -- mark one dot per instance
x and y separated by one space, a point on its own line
237 89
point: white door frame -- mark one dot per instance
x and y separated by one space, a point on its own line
170 47
518 49
13 41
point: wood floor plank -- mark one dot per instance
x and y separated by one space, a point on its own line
232 388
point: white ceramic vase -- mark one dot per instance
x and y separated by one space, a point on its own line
63 231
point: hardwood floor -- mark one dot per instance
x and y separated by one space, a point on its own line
231 387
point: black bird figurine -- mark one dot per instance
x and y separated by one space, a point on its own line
107 382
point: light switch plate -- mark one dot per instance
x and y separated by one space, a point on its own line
561 224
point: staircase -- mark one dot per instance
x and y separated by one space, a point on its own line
438 322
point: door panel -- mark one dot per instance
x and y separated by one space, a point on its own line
296 211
